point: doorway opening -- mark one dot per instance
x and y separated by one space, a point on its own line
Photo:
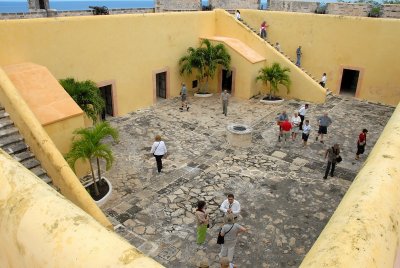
106 94
42 4
349 82
226 81
161 85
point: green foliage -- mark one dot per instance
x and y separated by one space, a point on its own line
375 11
87 145
86 94
204 60
275 76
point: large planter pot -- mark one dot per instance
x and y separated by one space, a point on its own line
272 101
203 95
104 195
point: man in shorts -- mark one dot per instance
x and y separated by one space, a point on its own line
279 120
324 122
306 132
184 98
286 127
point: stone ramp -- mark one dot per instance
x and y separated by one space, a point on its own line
13 143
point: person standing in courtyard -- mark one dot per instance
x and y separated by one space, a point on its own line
230 206
286 127
298 54
263 30
184 98
225 101
302 114
332 154
295 121
158 149
279 120
361 142
324 122
230 232
202 221
306 132
323 80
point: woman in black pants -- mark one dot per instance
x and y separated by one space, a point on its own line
158 150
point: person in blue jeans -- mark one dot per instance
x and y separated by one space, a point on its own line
298 54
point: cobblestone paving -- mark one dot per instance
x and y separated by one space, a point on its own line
285 202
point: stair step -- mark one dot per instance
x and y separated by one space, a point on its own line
23 156
30 163
5 122
16 147
3 113
46 179
38 171
6 140
8 131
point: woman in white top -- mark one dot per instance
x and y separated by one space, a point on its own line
296 120
158 150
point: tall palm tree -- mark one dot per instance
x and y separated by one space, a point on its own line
86 94
89 145
275 76
205 59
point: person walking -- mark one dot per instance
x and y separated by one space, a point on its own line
306 132
302 114
295 121
237 14
230 206
361 142
230 232
158 149
225 101
323 80
263 30
184 98
202 221
324 122
279 120
332 154
298 54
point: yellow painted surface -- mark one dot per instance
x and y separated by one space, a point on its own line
40 228
331 43
45 151
303 87
364 230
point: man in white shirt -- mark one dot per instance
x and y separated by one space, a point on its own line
323 80
302 114
230 205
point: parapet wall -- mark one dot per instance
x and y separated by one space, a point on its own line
348 9
177 5
235 4
294 6
391 11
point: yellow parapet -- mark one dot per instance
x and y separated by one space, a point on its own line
40 228
45 150
364 230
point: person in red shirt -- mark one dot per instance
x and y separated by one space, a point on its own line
361 142
286 126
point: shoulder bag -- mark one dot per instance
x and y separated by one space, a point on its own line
220 239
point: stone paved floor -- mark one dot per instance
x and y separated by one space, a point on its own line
285 202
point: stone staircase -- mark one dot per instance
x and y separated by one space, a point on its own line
13 144
328 92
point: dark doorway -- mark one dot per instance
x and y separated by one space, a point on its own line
227 80
106 93
41 4
161 85
349 82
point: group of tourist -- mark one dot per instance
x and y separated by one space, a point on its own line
229 231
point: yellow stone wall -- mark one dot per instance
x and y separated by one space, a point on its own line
40 228
331 43
364 230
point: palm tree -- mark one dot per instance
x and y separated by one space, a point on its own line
205 60
275 76
86 94
89 145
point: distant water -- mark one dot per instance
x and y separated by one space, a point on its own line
14 7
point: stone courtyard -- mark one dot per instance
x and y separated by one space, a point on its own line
285 201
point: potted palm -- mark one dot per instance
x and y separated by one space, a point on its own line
274 76
86 94
205 60
87 145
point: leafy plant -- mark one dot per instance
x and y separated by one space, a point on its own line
375 11
205 60
87 145
86 94
274 76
